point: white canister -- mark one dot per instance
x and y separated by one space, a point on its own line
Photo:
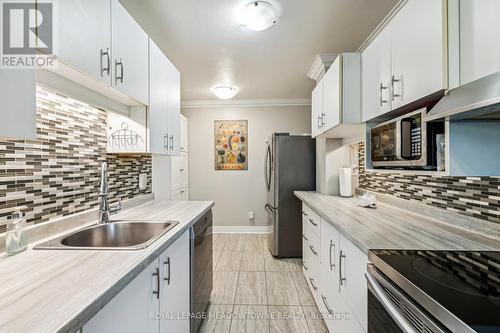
345 179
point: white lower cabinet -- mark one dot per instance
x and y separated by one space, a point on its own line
180 195
130 310
162 288
336 277
175 286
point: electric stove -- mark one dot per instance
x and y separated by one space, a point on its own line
433 291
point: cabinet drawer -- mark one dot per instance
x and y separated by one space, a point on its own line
313 218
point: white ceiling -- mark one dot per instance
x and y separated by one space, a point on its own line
204 39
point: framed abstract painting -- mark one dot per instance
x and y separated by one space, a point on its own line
231 144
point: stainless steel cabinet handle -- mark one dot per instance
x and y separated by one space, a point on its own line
313 251
304 265
165 142
313 223
108 65
120 77
318 123
181 170
387 304
157 275
182 191
342 279
167 274
323 115
304 236
381 98
330 311
172 142
312 284
394 80
332 264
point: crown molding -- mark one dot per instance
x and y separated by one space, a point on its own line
382 25
320 64
248 103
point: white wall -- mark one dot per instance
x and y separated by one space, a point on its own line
237 192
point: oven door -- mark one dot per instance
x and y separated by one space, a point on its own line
391 311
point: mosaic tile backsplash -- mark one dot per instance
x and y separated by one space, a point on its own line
473 196
59 173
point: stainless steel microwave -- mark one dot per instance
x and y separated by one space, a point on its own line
400 142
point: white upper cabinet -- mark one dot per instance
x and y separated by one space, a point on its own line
479 43
330 115
18 99
129 63
418 50
375 77
88 51
317 108
336 101
174 109
158 100
407 60
164 103
184 134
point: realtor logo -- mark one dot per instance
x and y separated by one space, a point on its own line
27 29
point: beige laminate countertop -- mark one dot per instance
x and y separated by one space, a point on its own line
59 290
389 227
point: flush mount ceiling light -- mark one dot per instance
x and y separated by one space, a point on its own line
258 15
225 92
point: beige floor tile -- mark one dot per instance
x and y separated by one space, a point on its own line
219 241
250 319
314 319
252 261
251 288
281 289
273 264
224 287
229 261
287 319
305 296
217 321
234 243
255 243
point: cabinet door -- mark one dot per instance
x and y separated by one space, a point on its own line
158 101
175 288
184 134
18 99
129 54
331 96
316 108
417 51
130 310
353 286
479 46
375 77
174 109
184 170
80 44
176 181
330 249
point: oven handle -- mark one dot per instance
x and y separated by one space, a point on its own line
386 303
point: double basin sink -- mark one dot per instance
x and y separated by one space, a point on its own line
118 235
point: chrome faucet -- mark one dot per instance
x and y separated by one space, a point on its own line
105 210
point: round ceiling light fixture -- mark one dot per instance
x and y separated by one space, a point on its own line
258 15
225 91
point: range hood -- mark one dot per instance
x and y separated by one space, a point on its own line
479 99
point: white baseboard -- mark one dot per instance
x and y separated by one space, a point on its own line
256 230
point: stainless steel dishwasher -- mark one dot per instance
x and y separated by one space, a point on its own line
201 269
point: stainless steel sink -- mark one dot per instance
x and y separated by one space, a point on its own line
119 235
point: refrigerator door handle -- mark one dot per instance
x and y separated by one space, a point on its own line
267 170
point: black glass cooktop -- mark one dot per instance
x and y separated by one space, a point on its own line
467 284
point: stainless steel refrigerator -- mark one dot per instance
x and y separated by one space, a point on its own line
290 166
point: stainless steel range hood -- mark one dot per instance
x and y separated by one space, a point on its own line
479 99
